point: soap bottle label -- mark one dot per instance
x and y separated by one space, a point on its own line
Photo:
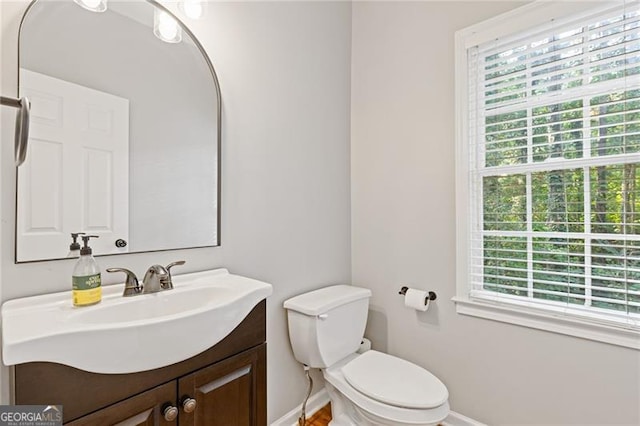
87 290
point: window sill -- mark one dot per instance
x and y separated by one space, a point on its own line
547 321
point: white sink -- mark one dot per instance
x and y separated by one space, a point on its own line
129 334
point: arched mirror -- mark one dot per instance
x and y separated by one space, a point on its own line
125 130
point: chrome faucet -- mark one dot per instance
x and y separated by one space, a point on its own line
157 278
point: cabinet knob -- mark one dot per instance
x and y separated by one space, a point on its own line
170 413
188 404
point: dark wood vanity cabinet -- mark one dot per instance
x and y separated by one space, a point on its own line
225 385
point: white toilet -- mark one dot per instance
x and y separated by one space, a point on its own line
326 327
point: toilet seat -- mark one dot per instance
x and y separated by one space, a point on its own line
395 381
392 414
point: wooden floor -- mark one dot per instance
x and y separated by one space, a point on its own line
321 418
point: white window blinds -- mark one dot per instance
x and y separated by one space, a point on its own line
554 142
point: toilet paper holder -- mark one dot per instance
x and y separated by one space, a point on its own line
432 294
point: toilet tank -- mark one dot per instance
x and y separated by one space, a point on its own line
328 324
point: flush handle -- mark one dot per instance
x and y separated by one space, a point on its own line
323 316
189 404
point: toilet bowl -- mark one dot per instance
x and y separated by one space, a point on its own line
326 327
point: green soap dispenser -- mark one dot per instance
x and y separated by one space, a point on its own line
86 277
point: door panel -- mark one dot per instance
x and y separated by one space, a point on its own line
227 400
144 409
227 393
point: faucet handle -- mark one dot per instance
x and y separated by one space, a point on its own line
168 268
172 264
131 287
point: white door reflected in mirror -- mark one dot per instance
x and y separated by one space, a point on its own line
76 176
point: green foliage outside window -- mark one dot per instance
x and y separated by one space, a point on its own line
558 203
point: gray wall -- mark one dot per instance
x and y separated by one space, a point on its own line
172 109
403 231
284 69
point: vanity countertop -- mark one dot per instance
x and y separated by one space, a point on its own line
114 335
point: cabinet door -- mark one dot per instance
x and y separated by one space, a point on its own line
229 393
145 409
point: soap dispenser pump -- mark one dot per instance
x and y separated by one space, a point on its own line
86 278
74 247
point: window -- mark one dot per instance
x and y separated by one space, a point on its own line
549 171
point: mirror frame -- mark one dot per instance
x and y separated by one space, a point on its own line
216 83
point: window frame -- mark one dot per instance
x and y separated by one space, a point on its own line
519 312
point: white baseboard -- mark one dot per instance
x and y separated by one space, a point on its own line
315 403
321 398
456 419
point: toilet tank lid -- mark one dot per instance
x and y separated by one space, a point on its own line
322 300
